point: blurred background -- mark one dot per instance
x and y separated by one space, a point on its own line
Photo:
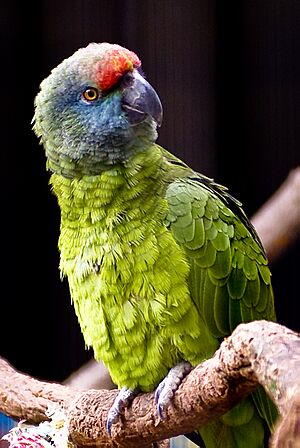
228 75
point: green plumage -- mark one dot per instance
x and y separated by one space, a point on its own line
162 262
120 256
159 268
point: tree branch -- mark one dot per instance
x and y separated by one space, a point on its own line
278 221
256 353
92 375
27 398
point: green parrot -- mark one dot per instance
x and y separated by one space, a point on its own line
162 262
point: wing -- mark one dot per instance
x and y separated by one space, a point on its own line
230 281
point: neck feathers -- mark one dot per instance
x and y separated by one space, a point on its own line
109 212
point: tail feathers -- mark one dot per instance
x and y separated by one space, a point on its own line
265 407
230 431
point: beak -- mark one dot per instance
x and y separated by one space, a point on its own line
140 99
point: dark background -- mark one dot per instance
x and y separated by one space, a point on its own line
228 77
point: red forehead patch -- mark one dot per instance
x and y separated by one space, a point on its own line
116 62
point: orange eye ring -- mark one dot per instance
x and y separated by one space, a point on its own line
90 94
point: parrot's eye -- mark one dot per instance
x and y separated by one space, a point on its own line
90 94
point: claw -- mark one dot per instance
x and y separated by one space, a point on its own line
169 385
122 401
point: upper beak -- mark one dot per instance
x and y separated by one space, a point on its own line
140 99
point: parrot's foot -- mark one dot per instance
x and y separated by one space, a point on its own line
167 388
122 401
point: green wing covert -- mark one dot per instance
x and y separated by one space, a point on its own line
229 279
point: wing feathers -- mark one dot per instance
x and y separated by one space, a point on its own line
230 279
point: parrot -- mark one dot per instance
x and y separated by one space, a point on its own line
162 262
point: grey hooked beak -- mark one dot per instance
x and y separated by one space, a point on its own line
140 99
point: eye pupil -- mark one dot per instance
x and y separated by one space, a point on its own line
90 94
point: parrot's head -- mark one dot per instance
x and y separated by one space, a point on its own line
95 109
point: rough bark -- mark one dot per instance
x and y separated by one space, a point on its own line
27 398
260 352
